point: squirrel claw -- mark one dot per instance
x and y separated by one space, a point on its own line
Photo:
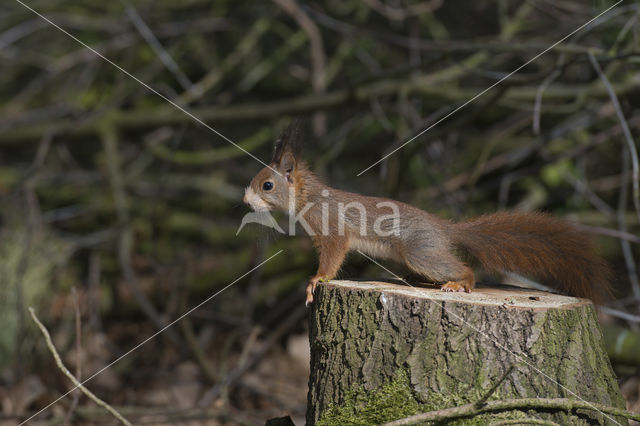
453 286
309 299
311 289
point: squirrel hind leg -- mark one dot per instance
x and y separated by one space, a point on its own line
466 283
440 266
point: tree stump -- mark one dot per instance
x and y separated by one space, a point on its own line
382 351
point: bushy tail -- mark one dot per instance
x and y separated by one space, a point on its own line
539 246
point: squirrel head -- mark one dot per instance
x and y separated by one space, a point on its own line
273 185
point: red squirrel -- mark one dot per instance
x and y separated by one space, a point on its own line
439 250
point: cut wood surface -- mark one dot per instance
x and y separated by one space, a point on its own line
381 351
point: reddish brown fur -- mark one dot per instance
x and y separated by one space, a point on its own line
527 243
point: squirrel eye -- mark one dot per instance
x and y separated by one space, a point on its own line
267 186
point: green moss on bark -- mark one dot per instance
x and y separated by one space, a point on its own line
396 400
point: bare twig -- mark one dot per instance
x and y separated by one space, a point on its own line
192 340
78 375
400 14
213 77
125 243
620 314
583 189
10 36
610 232
481 402
157 47
318 59
71 377
635 164
525 421
125 40
95 266
449 46
627 253
270 63
631 23
43 149
537 108
238 372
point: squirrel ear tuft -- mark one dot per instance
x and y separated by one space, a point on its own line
288 166
290 140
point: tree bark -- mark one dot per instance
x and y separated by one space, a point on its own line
373 340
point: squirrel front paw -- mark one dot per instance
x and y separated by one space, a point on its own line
311 288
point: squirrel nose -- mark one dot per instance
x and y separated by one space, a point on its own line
244 199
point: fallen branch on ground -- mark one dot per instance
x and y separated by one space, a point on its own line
71 377
468 410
